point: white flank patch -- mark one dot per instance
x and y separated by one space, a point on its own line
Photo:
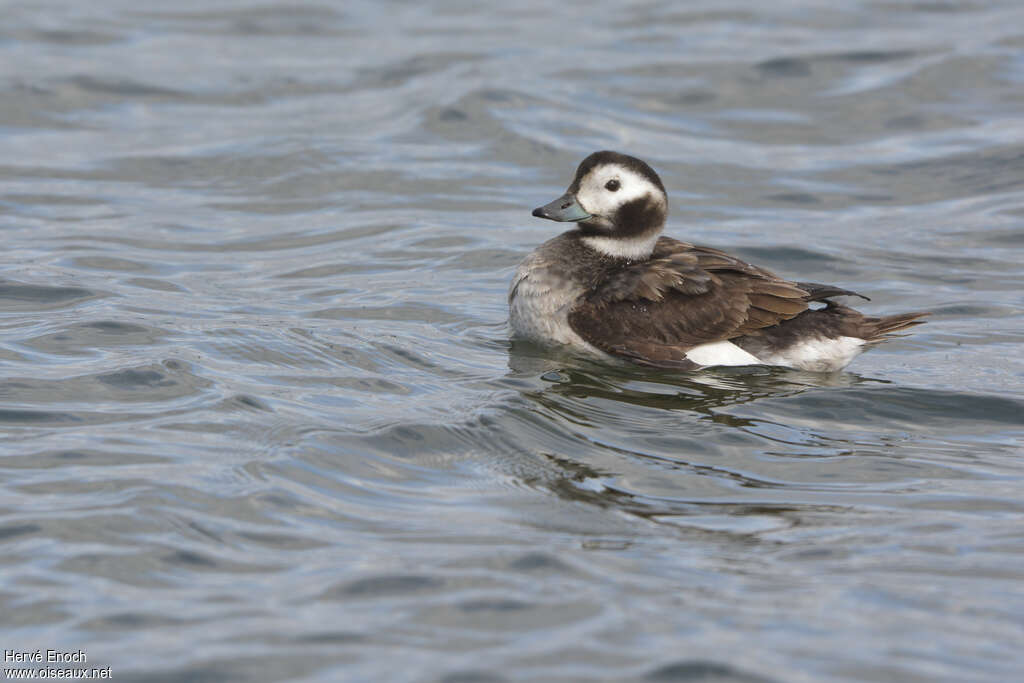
634 249
818 355
721 353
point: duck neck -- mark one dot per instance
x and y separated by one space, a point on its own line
633 248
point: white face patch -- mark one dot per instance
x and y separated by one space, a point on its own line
597 199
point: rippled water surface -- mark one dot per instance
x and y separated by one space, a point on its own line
260 419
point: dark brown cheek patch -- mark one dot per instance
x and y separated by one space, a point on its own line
639 216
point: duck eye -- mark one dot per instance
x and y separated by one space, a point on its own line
612 185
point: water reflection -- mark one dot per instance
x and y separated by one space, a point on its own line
702 392
665 446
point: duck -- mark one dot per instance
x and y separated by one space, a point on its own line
616 288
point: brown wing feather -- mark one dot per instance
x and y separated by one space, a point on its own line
776 304
683 296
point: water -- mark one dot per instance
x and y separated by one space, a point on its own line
261 419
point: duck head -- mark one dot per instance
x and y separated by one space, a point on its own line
618 202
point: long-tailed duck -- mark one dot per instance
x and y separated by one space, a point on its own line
614 287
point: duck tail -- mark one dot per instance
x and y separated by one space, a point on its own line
877 330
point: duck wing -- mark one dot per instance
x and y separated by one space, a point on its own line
683 296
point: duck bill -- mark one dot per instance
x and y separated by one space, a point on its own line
563 209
